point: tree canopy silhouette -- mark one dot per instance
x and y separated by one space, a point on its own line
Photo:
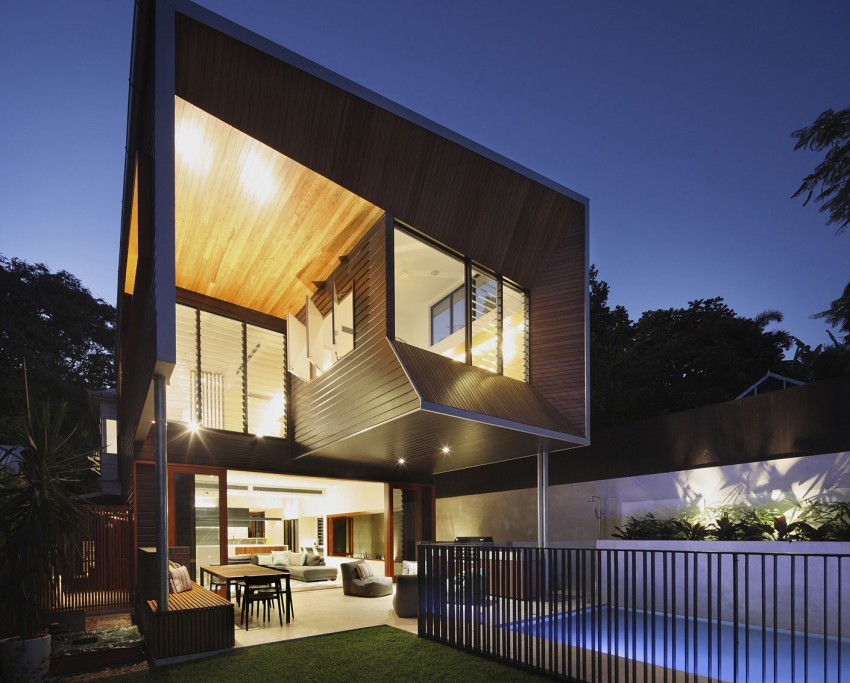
829 183
66 336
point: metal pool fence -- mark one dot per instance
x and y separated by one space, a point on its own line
641 614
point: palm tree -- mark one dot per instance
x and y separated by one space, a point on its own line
42 513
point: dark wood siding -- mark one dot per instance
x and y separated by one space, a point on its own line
227 309
460 197
368 386
213 448
558 330
806 420
146 507
442 381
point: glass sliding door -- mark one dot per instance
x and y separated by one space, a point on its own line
411 520
194 517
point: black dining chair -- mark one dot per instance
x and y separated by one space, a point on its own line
261 591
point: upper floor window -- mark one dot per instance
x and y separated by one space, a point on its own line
448 315
229 375
448 305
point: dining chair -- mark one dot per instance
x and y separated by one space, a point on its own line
261 591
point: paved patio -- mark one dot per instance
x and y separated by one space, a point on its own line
319 611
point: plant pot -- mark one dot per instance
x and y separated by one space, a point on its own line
25 660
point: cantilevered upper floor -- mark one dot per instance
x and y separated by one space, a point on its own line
330 280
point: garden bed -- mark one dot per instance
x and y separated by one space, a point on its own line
83 650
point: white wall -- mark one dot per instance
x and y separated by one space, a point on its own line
512 515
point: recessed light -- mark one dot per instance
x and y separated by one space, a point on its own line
445 449
401 461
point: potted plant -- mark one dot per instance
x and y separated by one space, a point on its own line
42 513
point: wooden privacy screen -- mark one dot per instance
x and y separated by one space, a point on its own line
100 578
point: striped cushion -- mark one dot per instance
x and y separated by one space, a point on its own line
364 571
178 580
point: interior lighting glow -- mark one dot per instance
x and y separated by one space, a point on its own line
193 427
445 449
257 177
401 461
195 153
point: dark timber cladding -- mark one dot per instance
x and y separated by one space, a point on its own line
485 210
444 383
800 421
367 387
559 334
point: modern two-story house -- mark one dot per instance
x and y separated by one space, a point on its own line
315 281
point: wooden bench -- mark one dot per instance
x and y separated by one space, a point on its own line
197 621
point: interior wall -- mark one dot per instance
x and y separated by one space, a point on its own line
573 508
346 496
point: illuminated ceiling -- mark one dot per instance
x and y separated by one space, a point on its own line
253 227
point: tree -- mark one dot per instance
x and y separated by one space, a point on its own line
705 353
831 178
51 322
611 336
674 359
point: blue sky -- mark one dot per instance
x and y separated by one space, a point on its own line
674 118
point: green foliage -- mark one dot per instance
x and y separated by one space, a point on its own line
829 183
51 322
806 521
41 511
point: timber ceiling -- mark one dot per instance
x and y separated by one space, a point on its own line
500 215
253 227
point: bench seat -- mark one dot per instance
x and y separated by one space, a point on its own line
197 621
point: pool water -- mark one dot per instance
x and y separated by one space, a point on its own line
666 640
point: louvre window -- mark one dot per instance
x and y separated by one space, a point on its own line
229 375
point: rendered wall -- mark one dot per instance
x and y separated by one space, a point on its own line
512 515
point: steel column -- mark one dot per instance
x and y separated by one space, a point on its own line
161 492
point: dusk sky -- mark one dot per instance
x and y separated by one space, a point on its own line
673 117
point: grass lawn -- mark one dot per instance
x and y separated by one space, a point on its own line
381 653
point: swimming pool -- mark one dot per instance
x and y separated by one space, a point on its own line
695 646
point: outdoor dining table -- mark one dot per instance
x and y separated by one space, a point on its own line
230 573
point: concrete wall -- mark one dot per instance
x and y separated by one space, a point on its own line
573 508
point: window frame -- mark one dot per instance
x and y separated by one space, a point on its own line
468 291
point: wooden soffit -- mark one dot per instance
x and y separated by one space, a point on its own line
252 226
480 204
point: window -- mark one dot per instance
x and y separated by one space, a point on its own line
432 310
229 375
448 316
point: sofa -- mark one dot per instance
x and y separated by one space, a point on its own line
301 566
369 586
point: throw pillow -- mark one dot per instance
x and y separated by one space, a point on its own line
314 560
364 571
302 559
178 579
265 559
280 557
